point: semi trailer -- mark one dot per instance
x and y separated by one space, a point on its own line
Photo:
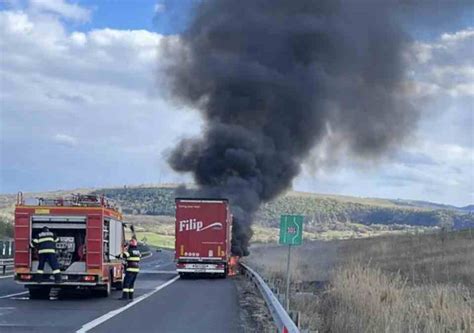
203 236
91 234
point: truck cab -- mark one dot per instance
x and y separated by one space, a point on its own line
91 233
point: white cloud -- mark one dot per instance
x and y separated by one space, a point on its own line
63 8
159 8
90 100
424 171
447 63
458 36
65 139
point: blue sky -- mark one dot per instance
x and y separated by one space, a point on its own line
165 17
83 104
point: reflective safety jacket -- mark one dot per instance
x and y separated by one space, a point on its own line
132 255
45 242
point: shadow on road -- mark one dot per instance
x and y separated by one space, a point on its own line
200 276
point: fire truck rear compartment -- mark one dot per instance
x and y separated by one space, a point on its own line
70 249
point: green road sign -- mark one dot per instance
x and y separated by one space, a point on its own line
291 229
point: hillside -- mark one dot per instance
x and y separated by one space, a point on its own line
321 211
327 216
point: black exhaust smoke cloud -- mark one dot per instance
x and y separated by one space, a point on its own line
272 79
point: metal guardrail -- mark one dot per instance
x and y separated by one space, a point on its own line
6 248
146 254
6 265
280 316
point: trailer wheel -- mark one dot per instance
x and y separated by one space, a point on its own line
223 275
39 292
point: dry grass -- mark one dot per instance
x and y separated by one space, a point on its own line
365 299
412 283
254 315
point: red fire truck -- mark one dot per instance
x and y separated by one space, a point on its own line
91 233
203 236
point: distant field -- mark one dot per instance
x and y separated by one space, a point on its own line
327 217
343 215
163 226
405 283
156 240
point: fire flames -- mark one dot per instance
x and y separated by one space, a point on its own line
233 265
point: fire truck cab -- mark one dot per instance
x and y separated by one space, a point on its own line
90 232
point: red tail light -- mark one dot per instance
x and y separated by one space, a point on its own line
89 278
180 265
26 277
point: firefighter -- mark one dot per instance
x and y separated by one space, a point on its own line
132 255
45 243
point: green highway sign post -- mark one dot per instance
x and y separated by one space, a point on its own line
291 233
291 229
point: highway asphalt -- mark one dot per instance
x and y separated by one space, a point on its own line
163 303
199 305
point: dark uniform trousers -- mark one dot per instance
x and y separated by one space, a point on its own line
51 259
129 283
46 245
132 255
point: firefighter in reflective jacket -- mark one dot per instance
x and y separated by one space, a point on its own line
132 255
45 243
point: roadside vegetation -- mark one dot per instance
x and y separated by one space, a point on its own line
156 231
342 215
327 217
6 229
405 283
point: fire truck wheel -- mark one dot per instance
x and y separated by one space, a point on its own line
118 285
106 290
39 292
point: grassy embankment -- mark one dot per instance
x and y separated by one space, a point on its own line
157 231
417 283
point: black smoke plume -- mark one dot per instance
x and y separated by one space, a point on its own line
272 78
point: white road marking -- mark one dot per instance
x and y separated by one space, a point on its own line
6 276
147 271
146 257
96 322
6 310
11 295
165 264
